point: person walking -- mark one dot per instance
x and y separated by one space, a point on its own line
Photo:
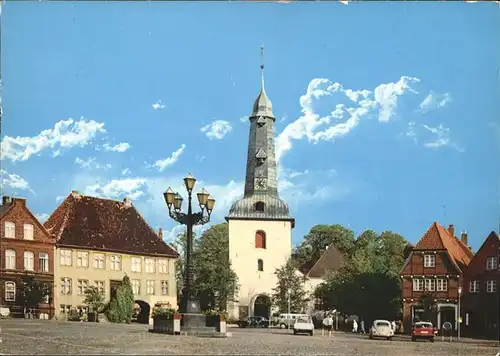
393 326
327 325
362 326
354 326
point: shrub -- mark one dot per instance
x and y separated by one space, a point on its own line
121 306
164 311
73 315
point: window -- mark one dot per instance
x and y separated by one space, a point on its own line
136 286
43 262
100 286
65 285
150 287
66 257
82 259
116 262
430 285
163 266
442 285
429 260
10 291
28 232
491 286
99 260
10 259
260 239
82 285
474 286
10 230
491 263
260 265
150 265
164 287
136 264
259 207
29 261
418 285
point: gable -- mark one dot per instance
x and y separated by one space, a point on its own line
331 260
18 213
490 247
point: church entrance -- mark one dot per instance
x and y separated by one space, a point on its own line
262 306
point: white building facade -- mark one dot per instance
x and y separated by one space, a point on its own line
260 224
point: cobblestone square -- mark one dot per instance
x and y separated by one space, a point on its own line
61 338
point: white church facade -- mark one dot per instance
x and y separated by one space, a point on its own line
260 224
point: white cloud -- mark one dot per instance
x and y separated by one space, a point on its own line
14 181
410 133
121 147
125 171
42 217
441 138
217 129
244 119
59 198
158 105
90 163
65 134
338 119
132 188
167 162
434 101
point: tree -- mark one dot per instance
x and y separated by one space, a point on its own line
93 299
318 239
180 245
289 281
121 306
215 280
32 292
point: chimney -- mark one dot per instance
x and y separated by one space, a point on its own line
5 200
21 201
451 230
127 203
76 194
160 233
464 238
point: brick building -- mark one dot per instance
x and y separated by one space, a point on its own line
481 299
27 250
433 272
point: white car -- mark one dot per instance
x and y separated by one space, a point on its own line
303 325
381 328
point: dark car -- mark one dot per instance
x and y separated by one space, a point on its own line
254 322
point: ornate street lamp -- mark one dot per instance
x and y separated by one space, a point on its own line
190 305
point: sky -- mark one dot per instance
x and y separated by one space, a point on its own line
387 114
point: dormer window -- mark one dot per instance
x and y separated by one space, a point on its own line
259 207
429 260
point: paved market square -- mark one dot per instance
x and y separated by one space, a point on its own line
62 338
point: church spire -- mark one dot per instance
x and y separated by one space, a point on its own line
262 105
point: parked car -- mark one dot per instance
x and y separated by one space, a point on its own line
423 330
381 329
284 320
253 322
303 325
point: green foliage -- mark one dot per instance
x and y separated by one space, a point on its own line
165 311
428 304
180 245
121 306
93 299
31 292
319 238
215 280
73 315
289 281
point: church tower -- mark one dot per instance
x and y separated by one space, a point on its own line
260 224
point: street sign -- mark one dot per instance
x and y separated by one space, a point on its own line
447 326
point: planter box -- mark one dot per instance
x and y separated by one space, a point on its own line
93 317
214 321
163 325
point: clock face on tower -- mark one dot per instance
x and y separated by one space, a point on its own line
260 183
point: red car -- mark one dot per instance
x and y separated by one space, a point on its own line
423 330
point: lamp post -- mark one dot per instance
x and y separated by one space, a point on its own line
459 317
289 317
190 305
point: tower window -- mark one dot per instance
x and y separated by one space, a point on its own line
259 206
260 265
260 239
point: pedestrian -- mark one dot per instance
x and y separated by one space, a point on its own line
362 326
393 326
327 325
354 326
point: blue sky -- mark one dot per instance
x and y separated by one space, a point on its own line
387 113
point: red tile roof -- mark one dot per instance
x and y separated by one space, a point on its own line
103 224
439 238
